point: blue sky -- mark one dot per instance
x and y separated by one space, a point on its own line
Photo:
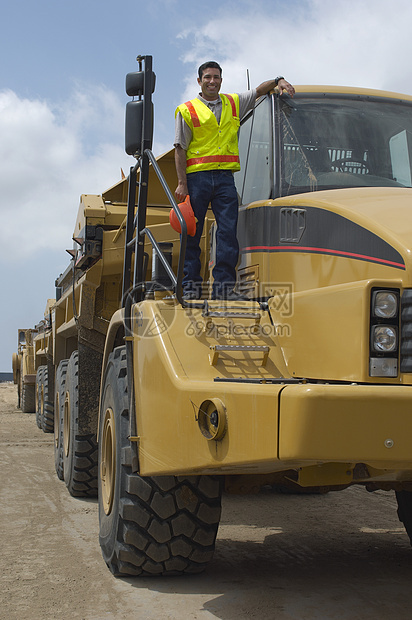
62 99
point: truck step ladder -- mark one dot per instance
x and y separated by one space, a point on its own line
216 349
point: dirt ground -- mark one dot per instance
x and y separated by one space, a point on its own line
342 556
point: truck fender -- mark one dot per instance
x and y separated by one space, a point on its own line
114 338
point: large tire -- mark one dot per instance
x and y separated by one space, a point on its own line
28 398
404 499
59 396
79 451
149 526
39 396
47 403
18 391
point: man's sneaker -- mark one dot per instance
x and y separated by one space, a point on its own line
232 296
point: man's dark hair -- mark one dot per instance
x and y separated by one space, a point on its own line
212 64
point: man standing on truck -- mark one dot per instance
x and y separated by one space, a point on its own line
206 156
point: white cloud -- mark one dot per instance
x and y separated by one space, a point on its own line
50 155
345 42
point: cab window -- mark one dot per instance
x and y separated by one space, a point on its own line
254 181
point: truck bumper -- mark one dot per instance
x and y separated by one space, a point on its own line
347 424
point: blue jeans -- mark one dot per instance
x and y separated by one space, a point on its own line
216 187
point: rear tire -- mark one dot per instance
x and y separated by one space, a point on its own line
404 499
48 404
39 396
18 391
163 525
28 398
59 395
79 451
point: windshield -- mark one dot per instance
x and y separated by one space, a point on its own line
343 142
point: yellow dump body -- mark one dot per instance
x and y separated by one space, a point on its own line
98 251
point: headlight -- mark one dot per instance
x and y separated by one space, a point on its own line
384 332
385 304
384 338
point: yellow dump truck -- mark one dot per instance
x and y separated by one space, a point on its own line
24 370
161 403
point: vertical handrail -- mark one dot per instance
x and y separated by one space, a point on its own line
183 227
132 289
128 250
139 276
136 244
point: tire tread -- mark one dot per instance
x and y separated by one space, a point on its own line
164 525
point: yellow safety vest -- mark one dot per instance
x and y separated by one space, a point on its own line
214 145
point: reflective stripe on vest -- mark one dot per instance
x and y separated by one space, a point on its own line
214 146
233 104
195 161
193 114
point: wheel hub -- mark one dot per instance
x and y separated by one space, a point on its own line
66 424
108 460
56 422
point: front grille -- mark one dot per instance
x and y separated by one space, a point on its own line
406 331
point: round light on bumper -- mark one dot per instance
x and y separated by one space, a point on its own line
384 338
385 305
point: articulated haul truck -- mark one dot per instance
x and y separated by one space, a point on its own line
160 404
24 373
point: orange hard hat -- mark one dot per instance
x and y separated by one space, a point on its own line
188 215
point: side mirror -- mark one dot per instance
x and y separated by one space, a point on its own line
135 83
133 127
139 120
134 130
